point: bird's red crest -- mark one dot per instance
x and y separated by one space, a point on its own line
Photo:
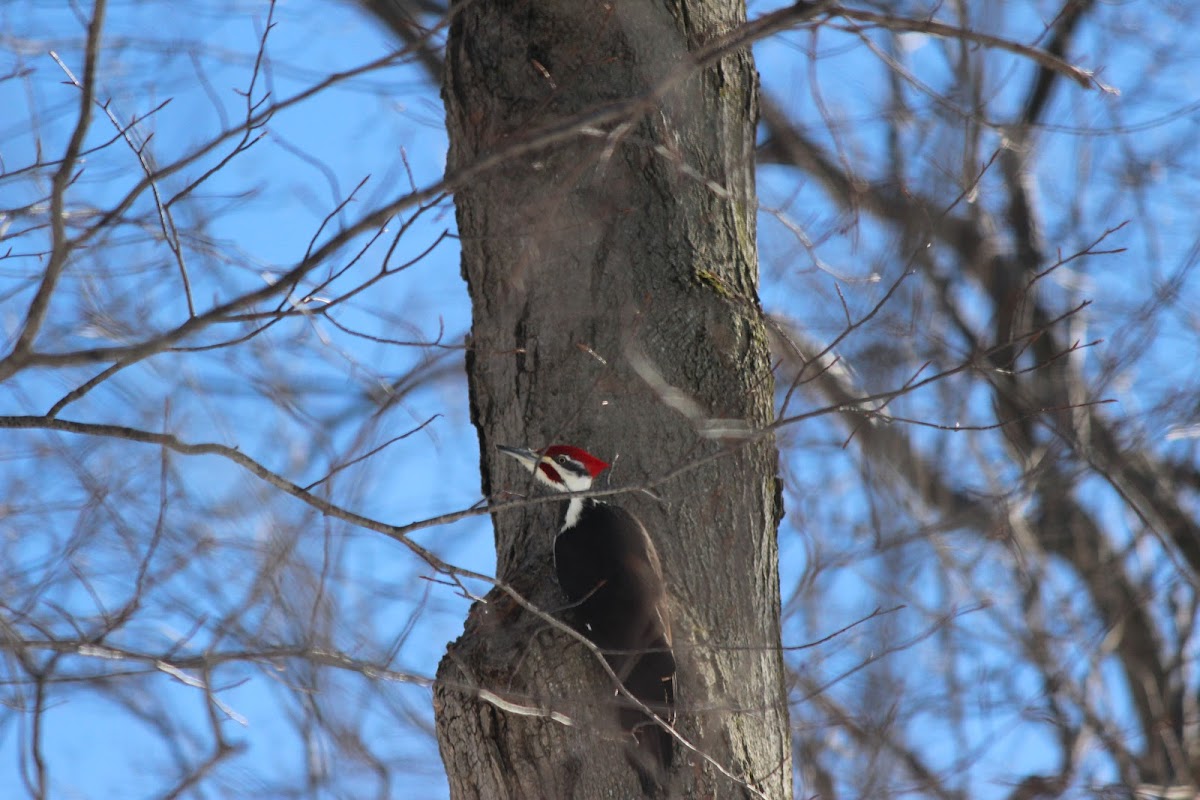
592 464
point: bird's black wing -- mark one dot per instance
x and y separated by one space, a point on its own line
609 569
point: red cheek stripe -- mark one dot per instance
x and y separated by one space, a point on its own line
550 472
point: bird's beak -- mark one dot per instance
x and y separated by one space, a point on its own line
527 457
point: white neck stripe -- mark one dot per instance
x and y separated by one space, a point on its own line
574 509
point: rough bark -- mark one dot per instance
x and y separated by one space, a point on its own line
608 249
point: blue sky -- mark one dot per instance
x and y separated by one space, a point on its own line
268 202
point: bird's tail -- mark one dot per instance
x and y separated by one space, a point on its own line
650 677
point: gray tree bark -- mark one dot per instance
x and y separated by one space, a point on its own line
624 249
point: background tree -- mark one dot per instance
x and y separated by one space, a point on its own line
612 254
980 296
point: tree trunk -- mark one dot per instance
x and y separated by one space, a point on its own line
610 256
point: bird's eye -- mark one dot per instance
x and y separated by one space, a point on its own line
562 460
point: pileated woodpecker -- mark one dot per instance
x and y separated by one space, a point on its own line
608 568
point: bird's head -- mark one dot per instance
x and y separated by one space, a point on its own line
561 467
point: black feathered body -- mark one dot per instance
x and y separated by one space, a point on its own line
609 570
